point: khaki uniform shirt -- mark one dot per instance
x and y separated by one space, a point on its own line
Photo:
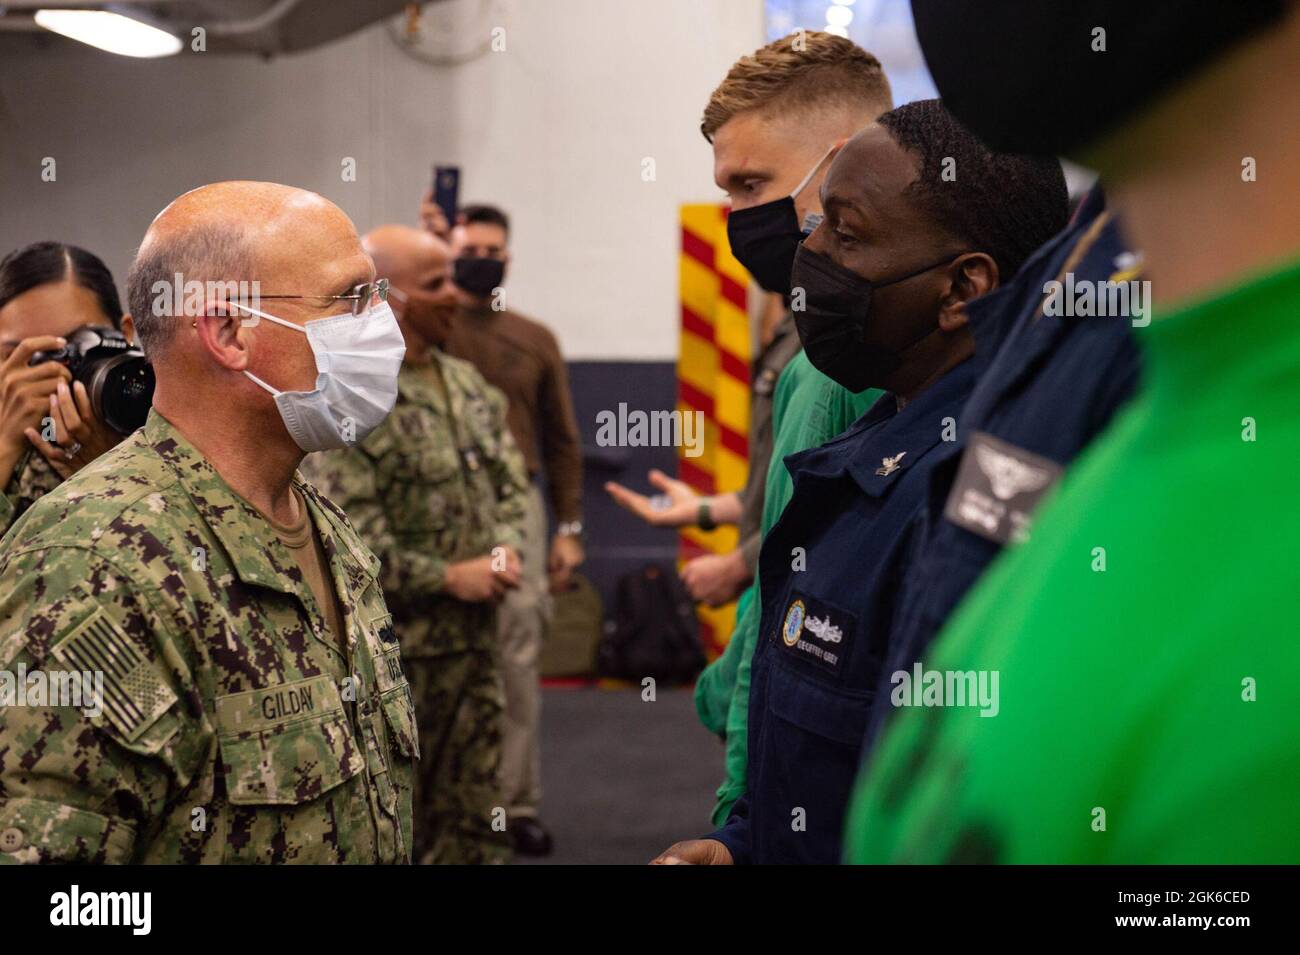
522 358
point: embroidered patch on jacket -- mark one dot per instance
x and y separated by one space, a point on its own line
997 489
819 633
793 626
279 704
134 696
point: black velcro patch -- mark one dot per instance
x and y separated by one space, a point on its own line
997 489
818 633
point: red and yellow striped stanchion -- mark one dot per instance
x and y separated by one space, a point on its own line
713 378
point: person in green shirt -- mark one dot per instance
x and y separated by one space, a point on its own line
1141 646
775 122
808 411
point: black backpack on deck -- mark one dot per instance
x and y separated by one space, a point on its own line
653 632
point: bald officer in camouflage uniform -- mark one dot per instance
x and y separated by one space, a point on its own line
253 710
439 492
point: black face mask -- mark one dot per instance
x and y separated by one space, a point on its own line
478 276
764 239
1025 77
832 325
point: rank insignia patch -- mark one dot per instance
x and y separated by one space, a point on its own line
889 465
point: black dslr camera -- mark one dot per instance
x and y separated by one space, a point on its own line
117 376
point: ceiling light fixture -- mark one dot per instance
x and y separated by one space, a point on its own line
111 32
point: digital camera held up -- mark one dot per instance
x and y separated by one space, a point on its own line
116 375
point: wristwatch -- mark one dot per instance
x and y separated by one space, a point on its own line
705 518
569 529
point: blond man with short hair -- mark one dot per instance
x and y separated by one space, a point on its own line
774 123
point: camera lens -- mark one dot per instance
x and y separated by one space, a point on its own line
121 391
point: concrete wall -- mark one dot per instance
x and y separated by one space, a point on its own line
555 128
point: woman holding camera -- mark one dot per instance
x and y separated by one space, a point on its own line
47 427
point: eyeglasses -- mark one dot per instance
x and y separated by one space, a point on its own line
361 296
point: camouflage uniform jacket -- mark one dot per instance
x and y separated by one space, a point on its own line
233 728
440 481
32 478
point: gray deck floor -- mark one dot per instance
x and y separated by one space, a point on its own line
623 779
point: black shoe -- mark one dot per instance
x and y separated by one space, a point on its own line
529 837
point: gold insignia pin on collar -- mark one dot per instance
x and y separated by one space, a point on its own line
890 465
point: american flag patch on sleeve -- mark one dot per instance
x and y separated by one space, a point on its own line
134 696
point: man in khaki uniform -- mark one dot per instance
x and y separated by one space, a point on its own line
439 491
522 358
241 694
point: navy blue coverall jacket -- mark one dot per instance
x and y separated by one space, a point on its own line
1048 385
864 566
829 575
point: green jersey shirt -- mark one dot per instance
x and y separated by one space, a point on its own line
808 410
1139 653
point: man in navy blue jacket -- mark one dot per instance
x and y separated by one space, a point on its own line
921 220
1056 360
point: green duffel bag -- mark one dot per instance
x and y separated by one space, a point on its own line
570 646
